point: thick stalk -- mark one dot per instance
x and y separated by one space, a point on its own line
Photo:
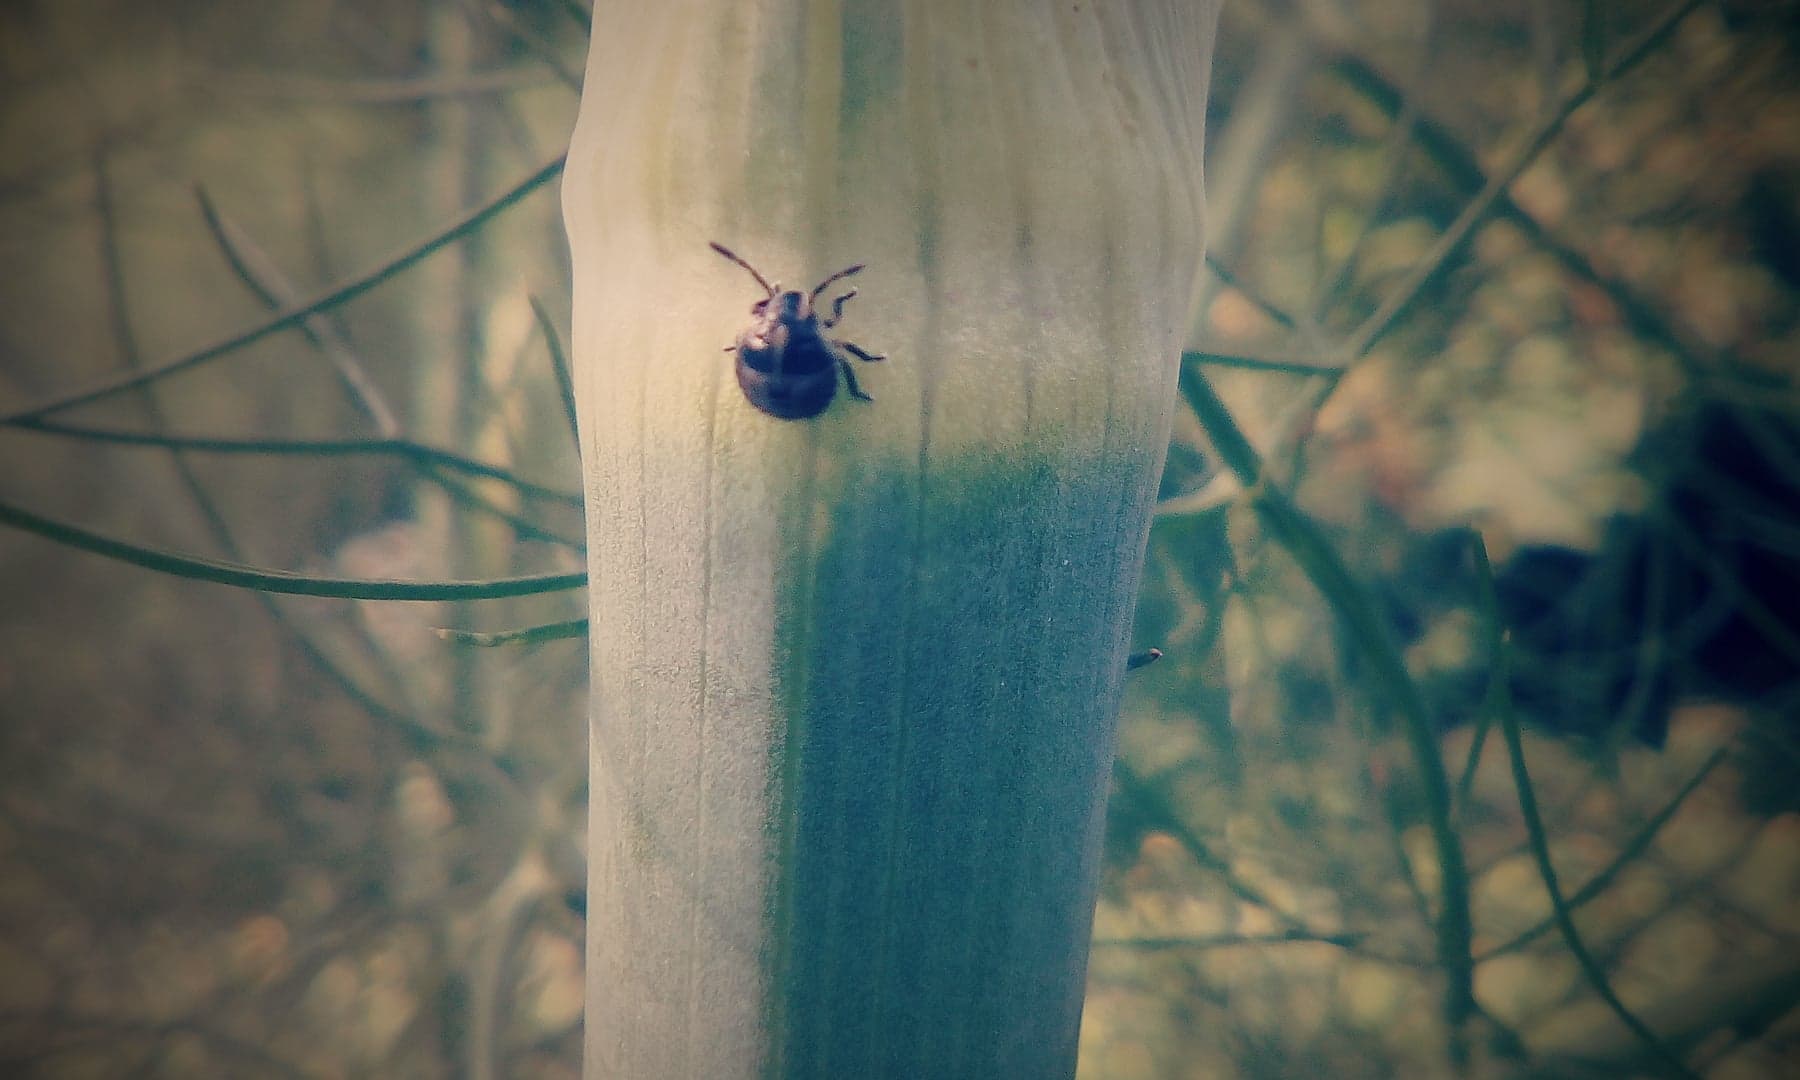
855 678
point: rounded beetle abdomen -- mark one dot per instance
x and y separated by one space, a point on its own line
789 395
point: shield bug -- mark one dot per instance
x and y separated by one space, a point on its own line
786 365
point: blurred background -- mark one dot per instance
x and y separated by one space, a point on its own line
1519 272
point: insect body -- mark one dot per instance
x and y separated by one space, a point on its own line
786 365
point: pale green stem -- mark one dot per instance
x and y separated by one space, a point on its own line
855 678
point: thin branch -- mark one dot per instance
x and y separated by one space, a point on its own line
1393 812
280 581
260 275
559 363
1450 154
1136 788
1600 882
1429 265
523 528
543 51
1664 1056
401 90
579 15
119 309
1399 133
1208 358
1221 941
1315 556
1593 38
340 294
524 635
1268 307
1753 607
1488 608
1465 781
418 453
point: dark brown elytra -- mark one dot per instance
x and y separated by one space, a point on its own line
786 365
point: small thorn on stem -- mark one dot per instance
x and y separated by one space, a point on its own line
1142 659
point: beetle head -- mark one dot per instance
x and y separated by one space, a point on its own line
793 307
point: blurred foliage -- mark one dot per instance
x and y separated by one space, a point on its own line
252 835
249 835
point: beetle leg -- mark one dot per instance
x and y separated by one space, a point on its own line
839 276
850 377
857 351
837 310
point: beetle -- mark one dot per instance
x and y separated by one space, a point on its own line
786 365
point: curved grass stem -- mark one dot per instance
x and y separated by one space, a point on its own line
1670 1063
281 581
342 293
1394 686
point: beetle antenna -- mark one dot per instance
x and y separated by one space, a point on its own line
839 276
733 256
